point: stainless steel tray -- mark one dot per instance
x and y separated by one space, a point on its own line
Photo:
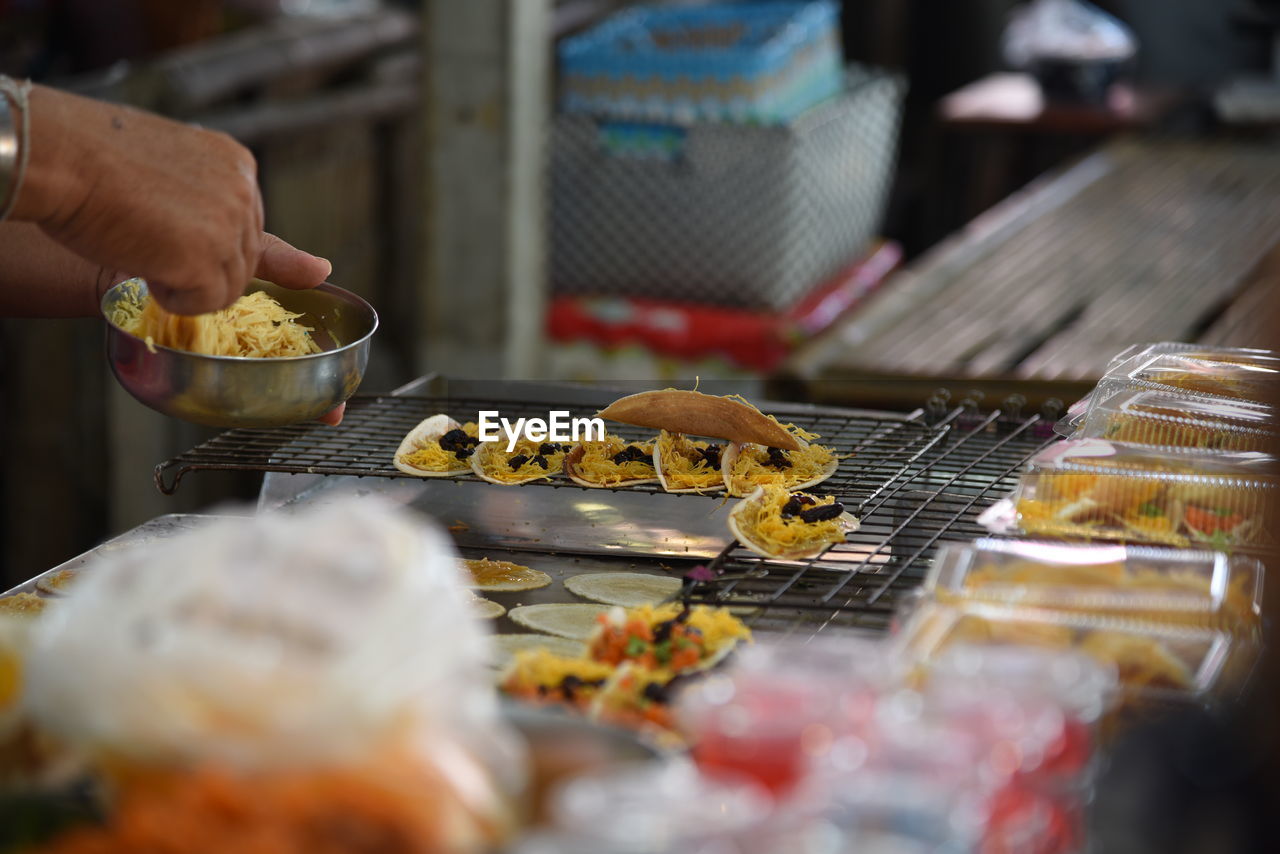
160 528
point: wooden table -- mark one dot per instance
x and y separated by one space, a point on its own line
999 132
1141 241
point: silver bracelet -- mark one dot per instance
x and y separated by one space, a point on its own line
15 140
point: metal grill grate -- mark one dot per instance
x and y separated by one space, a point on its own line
912 483
884 446
860 583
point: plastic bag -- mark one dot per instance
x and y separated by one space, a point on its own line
1065 30
269 644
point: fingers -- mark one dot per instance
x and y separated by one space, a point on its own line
334 416
289 267
277 262
189 301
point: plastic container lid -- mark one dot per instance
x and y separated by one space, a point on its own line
1150 659
1243 380
1210 372
1139 353
1153 417
1094 489
645 808
1207 588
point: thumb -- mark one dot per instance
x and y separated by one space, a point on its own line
185 301
289 267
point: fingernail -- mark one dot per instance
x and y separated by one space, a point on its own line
328 265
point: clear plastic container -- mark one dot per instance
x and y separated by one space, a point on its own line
1045 703
1140 353
1094 489
1253 380
656 808
1151 660
776 714
1150 417
1207 588
1190 370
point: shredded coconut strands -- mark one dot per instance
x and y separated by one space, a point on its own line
255 326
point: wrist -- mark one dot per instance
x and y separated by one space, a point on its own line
51 182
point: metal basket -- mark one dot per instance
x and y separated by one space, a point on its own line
749 216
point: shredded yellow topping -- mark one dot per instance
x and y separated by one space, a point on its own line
597 466
532 668
1031 572
1182 596
1157 429
683 464
762 521
717 625
255 326
10 677
1138 661
22 604
751 468
496 462
432 457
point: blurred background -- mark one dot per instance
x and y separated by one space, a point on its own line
883 198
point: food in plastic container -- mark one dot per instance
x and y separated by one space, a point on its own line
387 806
1254 380
1149 417
1206 588
284 648
29 757
1151 660
1145 367
1096 489
1141 353
23 605
57 583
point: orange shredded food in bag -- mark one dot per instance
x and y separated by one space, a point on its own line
384 809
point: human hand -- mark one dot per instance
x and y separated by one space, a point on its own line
172 203
334 416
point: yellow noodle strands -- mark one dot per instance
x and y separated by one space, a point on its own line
255 326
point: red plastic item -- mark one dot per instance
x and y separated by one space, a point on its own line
776 761
752 339
1022 821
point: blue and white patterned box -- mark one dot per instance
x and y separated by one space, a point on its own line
750 63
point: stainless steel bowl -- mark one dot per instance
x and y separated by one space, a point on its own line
231 391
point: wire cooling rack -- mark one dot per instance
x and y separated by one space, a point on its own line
860 583
880 447
914 480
